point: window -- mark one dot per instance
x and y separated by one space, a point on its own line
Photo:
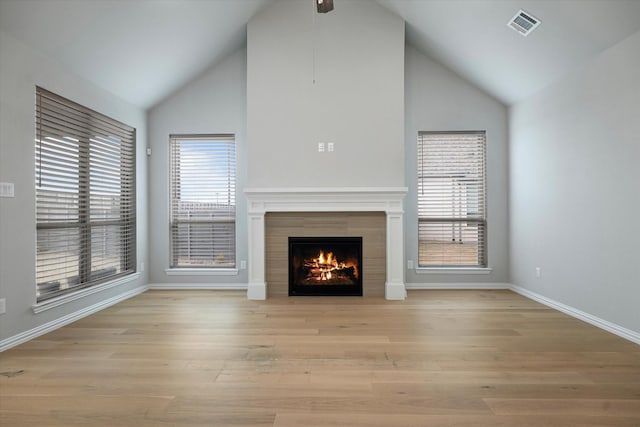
85 197
452 223
203 201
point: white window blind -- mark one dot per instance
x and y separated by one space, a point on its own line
203 201
452 217
85 197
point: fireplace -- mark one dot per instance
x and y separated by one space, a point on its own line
329 266
261 201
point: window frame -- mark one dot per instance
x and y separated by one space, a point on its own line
82 145
227 268
480 219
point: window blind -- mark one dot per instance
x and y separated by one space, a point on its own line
85 197
203 201
452 226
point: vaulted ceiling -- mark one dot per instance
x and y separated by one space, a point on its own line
143 50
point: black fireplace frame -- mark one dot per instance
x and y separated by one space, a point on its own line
325 290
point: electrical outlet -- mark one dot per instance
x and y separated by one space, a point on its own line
243 265
3 305
538 271
142 266
320 147
330 146
410 264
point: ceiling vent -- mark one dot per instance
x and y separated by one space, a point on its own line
523 22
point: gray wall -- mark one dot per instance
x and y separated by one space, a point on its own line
436 99
357 59
21 69
213 103
575 188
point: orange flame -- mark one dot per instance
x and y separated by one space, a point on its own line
327 262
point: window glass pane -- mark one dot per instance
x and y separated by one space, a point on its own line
203 207
57 263
85 196
451 199
450 243
105 178
107 246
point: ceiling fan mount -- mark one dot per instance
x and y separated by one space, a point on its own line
324 6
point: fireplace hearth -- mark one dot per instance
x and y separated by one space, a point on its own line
325 266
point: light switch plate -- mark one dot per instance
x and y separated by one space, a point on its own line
7 189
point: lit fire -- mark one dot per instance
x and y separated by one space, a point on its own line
326 266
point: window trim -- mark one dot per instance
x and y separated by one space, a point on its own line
454 270
83 126
481 268
201 271
205 270
48 304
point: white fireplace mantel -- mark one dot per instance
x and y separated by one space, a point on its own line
388 200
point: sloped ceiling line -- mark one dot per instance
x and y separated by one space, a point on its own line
144 50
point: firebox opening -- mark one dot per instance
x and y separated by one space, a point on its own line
327 266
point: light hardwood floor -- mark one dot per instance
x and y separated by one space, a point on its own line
440 358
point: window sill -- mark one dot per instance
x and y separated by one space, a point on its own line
453 270
81 293
201 271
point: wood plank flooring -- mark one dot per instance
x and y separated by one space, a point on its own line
207 358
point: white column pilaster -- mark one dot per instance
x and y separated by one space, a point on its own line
257 288
394 286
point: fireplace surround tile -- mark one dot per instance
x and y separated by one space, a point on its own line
371 226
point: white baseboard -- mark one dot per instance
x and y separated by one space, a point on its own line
469 286
579 314
197 286
257 291
65 320
395 291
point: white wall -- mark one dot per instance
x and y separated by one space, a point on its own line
356 56
436 99
575 188
215 102
21 69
